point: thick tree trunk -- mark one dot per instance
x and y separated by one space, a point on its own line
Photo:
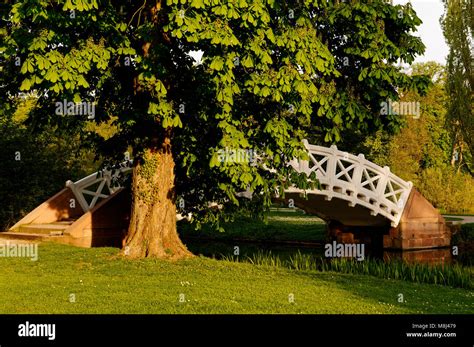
152 231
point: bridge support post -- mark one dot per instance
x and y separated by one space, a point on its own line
421 226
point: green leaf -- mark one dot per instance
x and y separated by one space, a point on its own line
25 85
217 63
197 4
214 160
247 62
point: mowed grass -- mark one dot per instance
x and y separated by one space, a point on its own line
281 226
104 282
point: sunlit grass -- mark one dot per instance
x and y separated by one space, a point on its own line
104 282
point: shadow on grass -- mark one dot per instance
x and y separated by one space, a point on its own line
401 296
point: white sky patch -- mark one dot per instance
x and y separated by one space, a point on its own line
430 32
197 56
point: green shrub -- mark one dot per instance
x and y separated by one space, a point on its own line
447 190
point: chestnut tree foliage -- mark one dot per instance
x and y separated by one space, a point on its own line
272 73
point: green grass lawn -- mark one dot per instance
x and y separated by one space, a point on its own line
283 225
103 282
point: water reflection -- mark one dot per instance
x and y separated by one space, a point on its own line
428 256
437 256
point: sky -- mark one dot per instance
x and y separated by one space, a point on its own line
430 11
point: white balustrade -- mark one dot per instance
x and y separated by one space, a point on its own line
103 179
356 180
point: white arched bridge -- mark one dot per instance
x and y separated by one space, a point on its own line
352 191
356 180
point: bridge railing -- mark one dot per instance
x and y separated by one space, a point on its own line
103 184
356 180
340 174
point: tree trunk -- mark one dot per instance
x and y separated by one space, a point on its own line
152 231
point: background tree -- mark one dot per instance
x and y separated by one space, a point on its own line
458 28
272 74
421 151
35 164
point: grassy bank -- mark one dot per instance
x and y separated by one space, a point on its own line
103 282
448 275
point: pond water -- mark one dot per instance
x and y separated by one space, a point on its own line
221 249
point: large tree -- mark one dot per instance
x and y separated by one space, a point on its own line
272 74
